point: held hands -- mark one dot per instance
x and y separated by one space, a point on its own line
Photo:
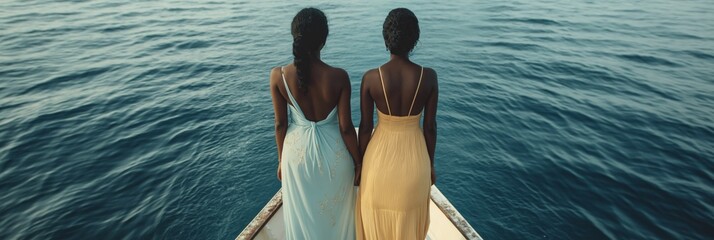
358 174
433 176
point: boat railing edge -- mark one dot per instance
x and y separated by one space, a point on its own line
453 215
262 218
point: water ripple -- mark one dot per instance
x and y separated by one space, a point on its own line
151 120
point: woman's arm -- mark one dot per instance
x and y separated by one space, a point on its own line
347 128
430 123
280 109
366 124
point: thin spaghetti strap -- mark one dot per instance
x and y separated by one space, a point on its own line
383 90
290 94
416 92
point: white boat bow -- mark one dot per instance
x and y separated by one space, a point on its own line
445 221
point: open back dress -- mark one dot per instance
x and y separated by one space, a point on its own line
393 198
317 178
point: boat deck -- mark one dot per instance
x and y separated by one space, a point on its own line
445 221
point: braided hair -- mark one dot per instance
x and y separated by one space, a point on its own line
309 30
400 31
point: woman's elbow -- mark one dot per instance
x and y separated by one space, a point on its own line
430 128
280 126
347 129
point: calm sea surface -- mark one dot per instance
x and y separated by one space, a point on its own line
557 119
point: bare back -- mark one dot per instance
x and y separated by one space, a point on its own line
322 91
394 88
404 84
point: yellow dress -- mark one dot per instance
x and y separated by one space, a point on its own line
393 198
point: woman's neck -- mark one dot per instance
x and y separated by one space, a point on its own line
396 57
314 56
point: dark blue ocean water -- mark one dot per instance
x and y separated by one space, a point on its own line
557 119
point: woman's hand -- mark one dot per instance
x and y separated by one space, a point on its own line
433 176
358 174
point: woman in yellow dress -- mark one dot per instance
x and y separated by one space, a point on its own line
397 167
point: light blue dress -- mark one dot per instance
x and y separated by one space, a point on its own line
317 177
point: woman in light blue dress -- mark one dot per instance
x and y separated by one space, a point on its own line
319 156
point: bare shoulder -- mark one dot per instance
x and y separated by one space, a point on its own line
275 75
339 73
340 76
430 77
370 76
430 73
368 80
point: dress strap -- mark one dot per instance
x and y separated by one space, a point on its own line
384 90
416 92
290 94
